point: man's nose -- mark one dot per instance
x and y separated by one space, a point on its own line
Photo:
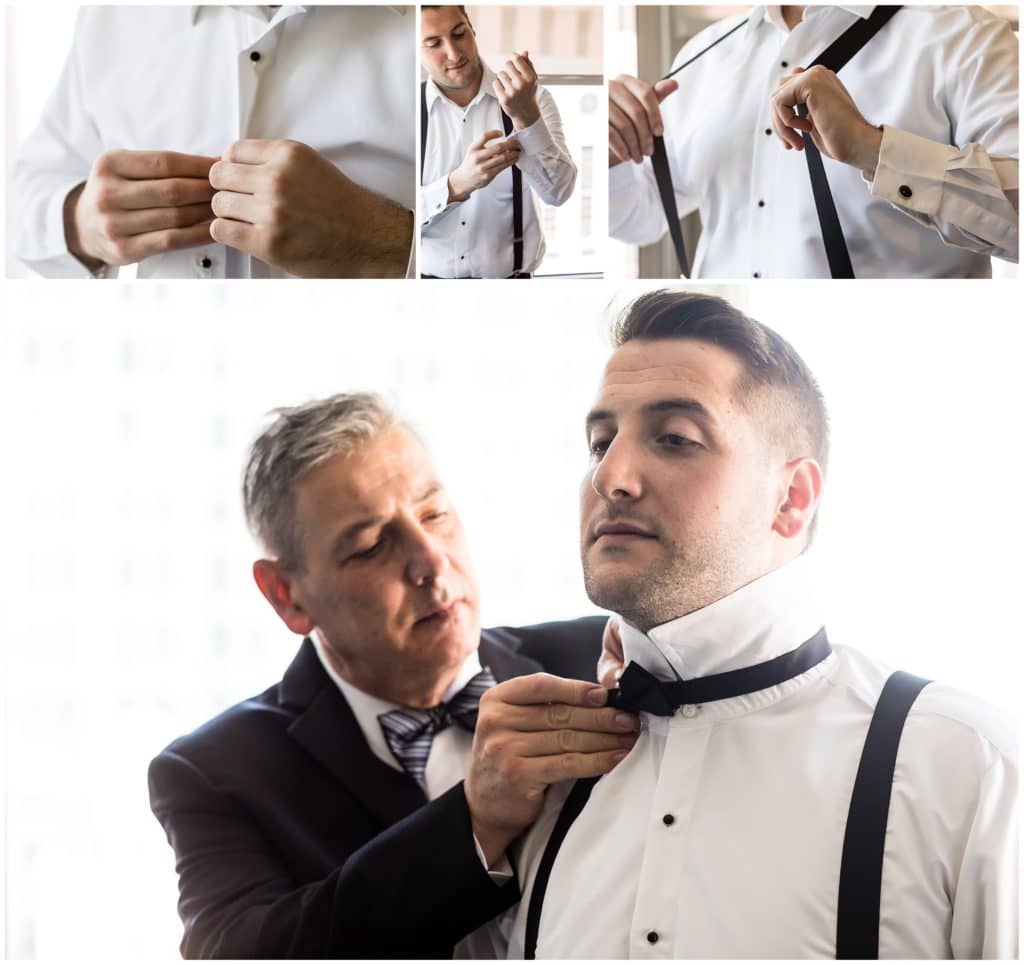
617 477
426 560
451 52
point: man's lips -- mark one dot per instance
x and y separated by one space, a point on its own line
439 613
621 531
459 65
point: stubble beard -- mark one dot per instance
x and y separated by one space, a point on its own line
680 581
476 78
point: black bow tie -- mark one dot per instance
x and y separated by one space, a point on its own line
410 732
639 690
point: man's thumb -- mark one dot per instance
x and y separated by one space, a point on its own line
665 87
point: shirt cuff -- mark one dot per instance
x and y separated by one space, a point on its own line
434 199
911 171
534 139
621 176
501 873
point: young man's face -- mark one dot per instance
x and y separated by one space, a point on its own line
679 502
387 579
449 48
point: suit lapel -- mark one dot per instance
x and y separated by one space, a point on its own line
327 729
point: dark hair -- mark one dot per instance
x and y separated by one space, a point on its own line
789 401
437 6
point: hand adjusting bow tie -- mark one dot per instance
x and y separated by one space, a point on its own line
639 690
410 732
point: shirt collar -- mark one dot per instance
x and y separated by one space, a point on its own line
196 9
760 621
368 708
773 15
486 90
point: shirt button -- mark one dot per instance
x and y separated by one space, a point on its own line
760 204
768 131
905 191
462 257
757 274
254 56
668 819
205 263
652 937
785 63
690 710
463 224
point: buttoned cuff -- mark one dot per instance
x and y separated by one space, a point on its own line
502 872
434 199
536 138
47 253
911 171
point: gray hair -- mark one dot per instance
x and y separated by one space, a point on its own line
300 438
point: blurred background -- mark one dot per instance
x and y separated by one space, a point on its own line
131 616
643 40
566 47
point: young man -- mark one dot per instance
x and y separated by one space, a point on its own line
475 222
736 828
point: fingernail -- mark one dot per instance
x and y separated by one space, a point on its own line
618 756
627 722
597 696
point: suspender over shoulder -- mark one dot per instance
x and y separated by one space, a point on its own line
834 58
860 874
517 182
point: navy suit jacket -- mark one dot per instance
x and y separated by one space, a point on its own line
293 840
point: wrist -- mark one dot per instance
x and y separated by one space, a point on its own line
456 190
494 842
525 119
72 234
867 155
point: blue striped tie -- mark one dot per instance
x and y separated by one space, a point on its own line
410 732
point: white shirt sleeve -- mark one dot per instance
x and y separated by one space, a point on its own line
985 901
968 196
545 160
635 215
967 190
433 200
55 158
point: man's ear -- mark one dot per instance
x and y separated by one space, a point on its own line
799 500
275 582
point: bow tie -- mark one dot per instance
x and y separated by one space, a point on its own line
410 732
639 690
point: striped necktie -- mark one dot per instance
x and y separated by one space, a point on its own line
409 731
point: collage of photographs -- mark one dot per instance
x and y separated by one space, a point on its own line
664 608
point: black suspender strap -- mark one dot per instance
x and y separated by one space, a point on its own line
835 58
517 207
860 876
663 175
423 127
574 803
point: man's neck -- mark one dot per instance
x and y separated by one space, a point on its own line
792 15
463 97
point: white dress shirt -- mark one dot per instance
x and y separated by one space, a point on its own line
338 78
942 81
473 238
758 787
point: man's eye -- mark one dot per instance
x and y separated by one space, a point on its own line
368 552
458 34
436 515
598 447
675 441
430 43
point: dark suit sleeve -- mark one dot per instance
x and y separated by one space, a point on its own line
412 892
565 648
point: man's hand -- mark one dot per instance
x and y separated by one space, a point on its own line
532 732
481 165
610 663
282 202
135 204
634 117
837 127
516 90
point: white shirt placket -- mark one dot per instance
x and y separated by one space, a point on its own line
657 917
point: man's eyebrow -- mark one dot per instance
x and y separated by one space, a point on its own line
685 405
461 23
432 490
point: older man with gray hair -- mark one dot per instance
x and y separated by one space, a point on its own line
300 818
